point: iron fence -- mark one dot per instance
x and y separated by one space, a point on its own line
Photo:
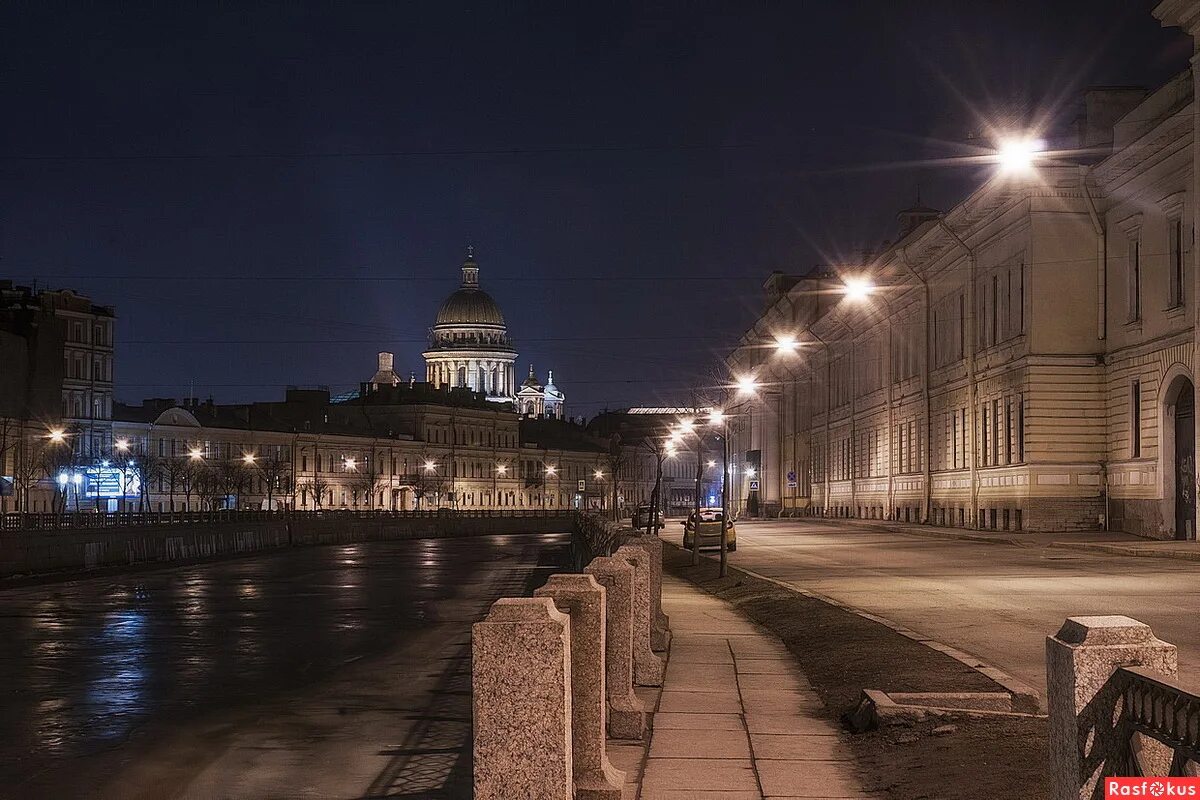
21 521
1162 710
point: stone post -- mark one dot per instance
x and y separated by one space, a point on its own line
626 712
521 686
1084 704
660 623
583 599
647 667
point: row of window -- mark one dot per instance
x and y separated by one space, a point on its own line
1001 441
1176 283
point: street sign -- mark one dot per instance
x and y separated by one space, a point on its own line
754 484
582 485
791 478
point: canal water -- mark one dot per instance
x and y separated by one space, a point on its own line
295 674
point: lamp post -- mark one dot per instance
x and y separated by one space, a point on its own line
501 469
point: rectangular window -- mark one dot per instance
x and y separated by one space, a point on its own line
997 432
1021 429
1176 251
1135 280
1135 419
995 309
983 435
954 440
1009 454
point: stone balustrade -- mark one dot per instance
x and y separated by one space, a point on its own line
553 674
1114 710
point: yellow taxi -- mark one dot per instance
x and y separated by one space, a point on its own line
710 530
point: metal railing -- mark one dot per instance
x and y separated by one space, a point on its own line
1158 708
20 521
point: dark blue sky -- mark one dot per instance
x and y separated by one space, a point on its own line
272 192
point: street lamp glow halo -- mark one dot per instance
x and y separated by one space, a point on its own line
786 343
1017 154
858 289
746 384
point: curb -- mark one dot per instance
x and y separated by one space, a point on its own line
1024 695
1127 550
926 531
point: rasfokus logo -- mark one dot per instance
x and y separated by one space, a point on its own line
1151 787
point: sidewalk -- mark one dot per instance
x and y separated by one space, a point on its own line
1115 542
736 720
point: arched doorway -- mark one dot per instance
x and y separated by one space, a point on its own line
1179 454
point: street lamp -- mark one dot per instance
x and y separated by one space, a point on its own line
551 471
249 459
351 464
57 435
858 289
501 469
196 455
1016 155
122 445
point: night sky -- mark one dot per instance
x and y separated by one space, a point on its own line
270 193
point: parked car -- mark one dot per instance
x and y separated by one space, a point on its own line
710 530
641 517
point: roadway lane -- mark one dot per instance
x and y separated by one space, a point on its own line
996 601
339 671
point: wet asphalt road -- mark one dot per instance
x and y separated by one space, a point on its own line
315 672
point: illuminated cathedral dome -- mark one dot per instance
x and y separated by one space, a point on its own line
468 344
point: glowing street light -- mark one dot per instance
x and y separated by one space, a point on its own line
501 469
1017 155
716 416
599 474
686 425
57 435
751 472
196 455
551 470
249 458
858 289
430 466
711 463
746 384
122 445
351 464
786 343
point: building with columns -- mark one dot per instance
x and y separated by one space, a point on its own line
1024 361
469 345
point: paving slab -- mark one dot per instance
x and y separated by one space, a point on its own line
736 718
701 743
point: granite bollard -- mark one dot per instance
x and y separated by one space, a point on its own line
583 599
660 623
1083 702
521 686
647 666
626 712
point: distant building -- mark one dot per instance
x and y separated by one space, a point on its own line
469 345
539 401
56 391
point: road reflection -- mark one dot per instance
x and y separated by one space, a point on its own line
88 666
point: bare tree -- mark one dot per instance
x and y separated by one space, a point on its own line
366 479
152 469
276 474
656 448
427 481
208 485
231 479
319 485
616 459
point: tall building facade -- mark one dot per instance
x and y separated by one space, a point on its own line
1026 360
